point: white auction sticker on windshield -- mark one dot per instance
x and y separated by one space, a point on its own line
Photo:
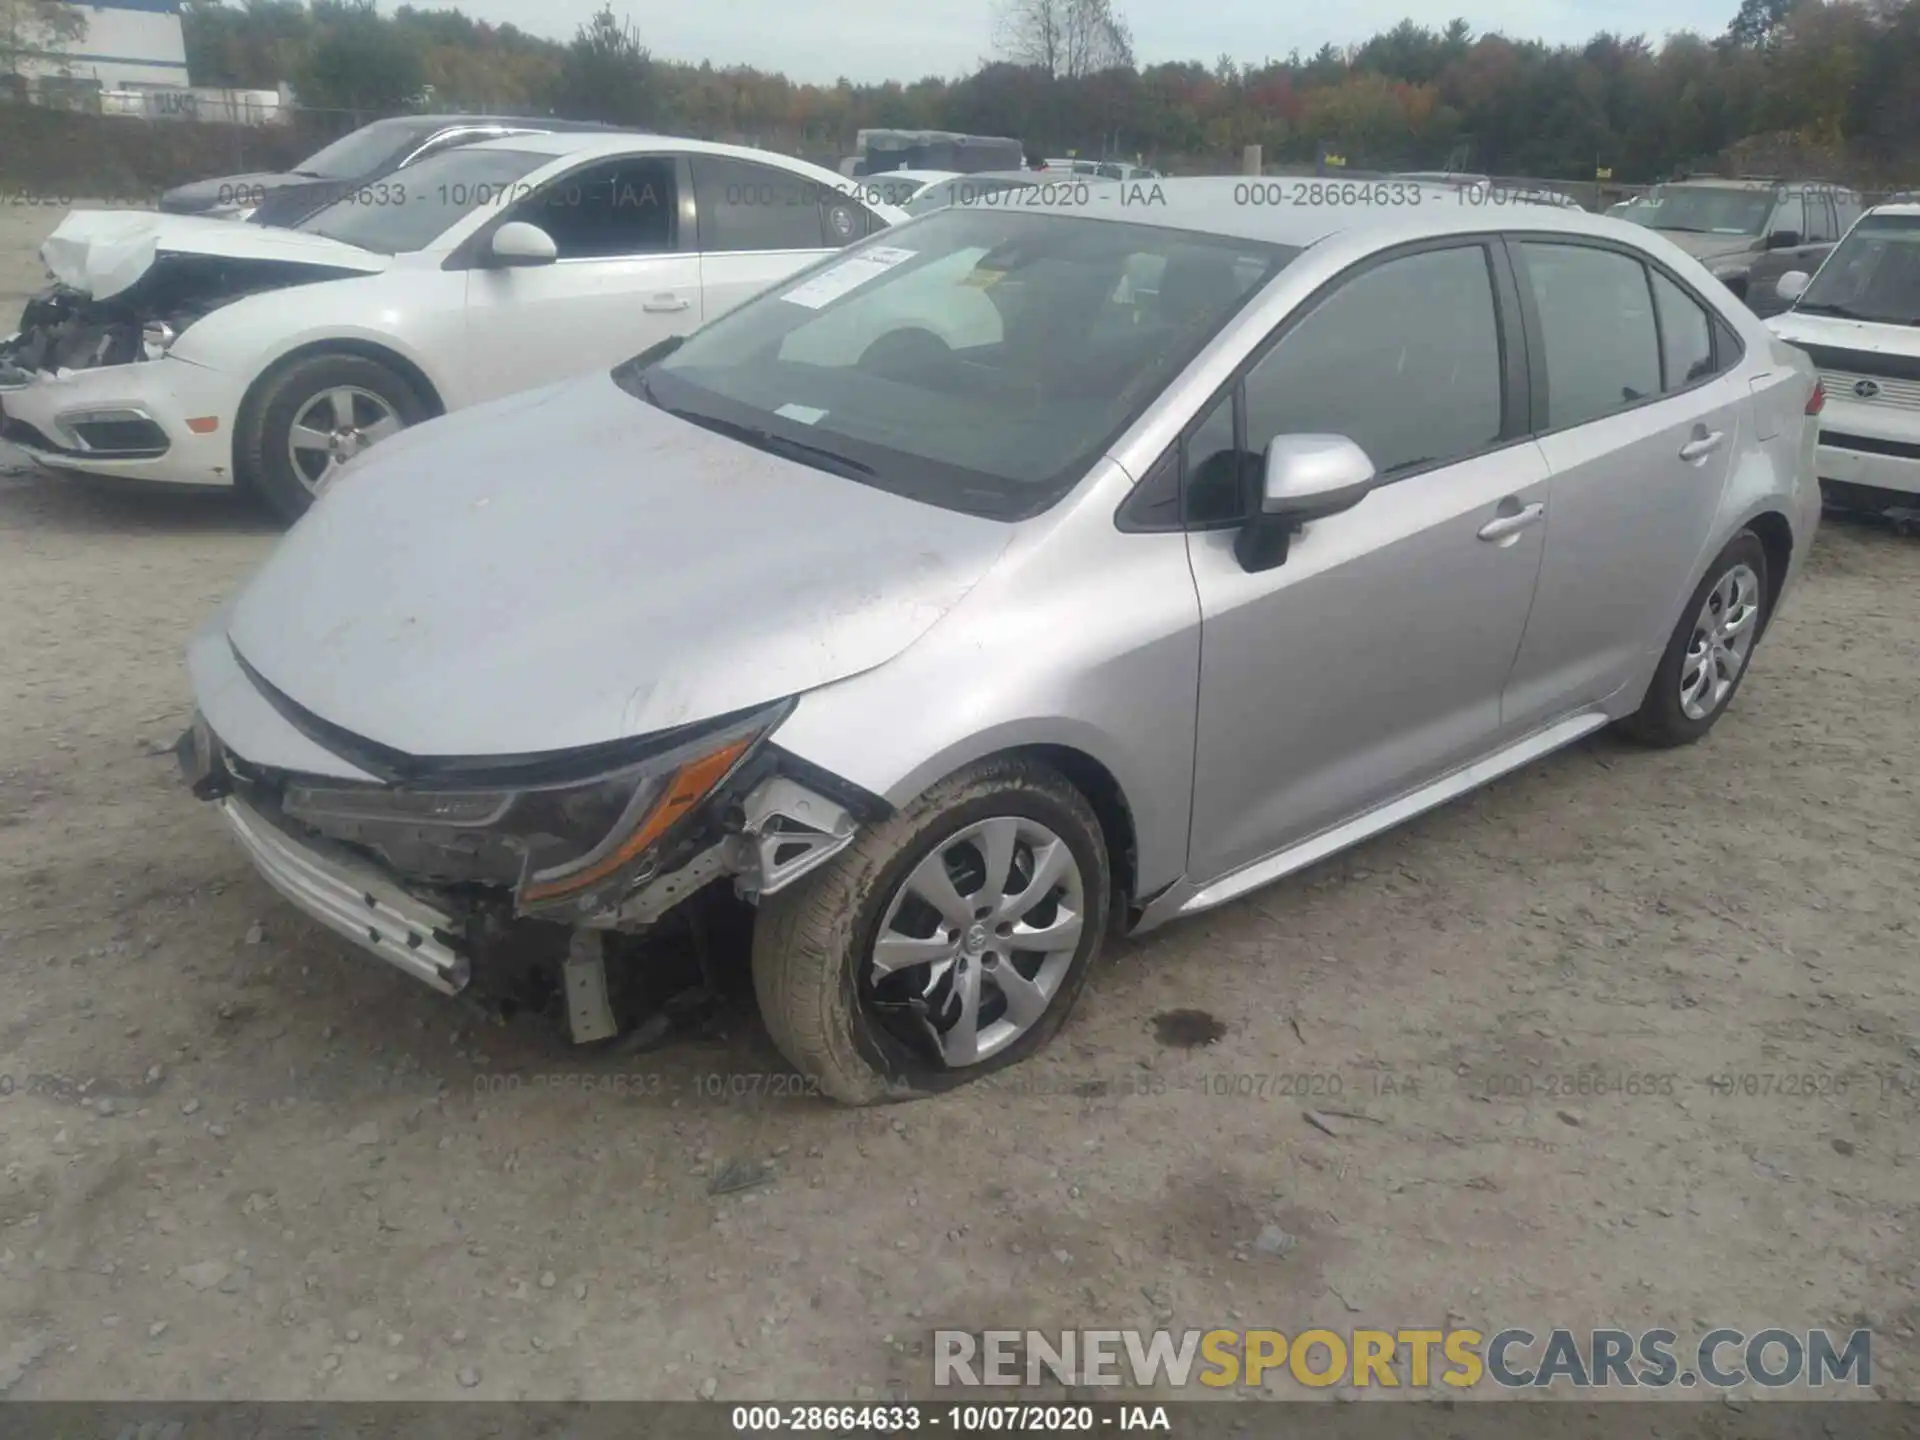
805 414
856 270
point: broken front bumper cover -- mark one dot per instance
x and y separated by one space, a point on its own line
353 899
763 828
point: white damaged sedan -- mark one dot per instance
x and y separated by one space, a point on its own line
196 352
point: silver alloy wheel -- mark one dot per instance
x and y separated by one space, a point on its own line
334 426
1722 640
980 935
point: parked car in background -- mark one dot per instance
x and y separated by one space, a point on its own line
1749 233
281 197
1859 318
975 190
959 604
1100 169
196 351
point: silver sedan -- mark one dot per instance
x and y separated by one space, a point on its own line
1016 578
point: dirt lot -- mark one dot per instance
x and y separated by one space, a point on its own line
241 1160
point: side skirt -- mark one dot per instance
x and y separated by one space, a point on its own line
1183 898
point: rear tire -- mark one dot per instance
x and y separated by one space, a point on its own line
377 397
865 1035
1692 688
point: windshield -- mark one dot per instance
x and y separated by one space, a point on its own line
1705 209
412 208
967 190
369 149
973 359
1873 274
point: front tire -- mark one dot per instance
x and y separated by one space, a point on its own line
314 415
947 942
1710 650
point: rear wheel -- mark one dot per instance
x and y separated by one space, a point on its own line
1707 656
946 943
312 417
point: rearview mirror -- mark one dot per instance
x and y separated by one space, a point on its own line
1783 239
1304 477
1792 285
518 243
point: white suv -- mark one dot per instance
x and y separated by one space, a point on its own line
1857 318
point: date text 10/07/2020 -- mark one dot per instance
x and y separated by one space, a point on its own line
958 1419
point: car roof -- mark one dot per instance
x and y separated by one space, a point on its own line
1750 182
442 122
1897 207
575 146
1222 205
561 144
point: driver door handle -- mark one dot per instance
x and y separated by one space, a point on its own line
1505 527
1702 447
665 304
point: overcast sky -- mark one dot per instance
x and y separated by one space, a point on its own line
870 40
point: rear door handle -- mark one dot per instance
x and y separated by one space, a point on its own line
1505 527
665 304
1703 447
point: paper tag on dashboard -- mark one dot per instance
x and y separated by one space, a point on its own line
830 284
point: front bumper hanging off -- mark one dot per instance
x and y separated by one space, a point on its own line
776 831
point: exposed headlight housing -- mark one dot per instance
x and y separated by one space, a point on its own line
561 844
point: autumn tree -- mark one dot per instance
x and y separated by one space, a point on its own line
1068 39
37 30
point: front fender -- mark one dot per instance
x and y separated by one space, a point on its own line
248 337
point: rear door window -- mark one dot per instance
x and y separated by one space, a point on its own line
1596 323
745 206
1686 334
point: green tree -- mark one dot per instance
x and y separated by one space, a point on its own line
607 74
359 61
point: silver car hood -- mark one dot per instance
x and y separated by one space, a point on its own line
103 252
571 565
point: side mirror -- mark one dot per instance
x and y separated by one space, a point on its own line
1792 285
517 243
1304 477
1783 240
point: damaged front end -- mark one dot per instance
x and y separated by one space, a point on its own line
531 879
66 328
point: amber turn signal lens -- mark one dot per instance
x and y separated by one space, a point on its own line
690 784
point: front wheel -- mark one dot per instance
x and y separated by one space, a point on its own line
1707 656
947 942
315 415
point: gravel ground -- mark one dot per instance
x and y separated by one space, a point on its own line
241 1160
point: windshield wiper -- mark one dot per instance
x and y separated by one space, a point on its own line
817 456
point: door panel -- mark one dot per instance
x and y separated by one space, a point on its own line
621 283
1372 659
1633 492
1629 520
1368 663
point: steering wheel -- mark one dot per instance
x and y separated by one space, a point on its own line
910 348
